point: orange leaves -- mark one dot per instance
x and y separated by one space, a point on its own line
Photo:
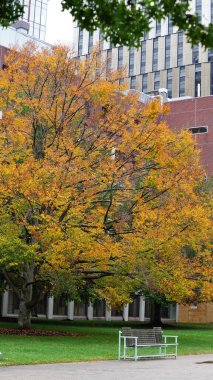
96 180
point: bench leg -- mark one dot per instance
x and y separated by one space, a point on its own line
136 352
124 348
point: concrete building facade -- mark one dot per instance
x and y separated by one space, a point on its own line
164 59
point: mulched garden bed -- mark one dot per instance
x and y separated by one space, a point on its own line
31 332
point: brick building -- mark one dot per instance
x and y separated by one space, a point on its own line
195 114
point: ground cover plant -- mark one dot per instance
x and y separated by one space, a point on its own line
91 340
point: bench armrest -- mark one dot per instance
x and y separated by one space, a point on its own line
170 336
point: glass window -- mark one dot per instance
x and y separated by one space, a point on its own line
155 55
195 54
170 25
131 61
109 59
198 80
180 49
156 80
182 81
120 57
143 57
169 83
101 40
167 51
90 44
43 15
196 130
134 307
210 55
37 14
198 8
212 11
80 42
158 28
32 12
133 82
145 83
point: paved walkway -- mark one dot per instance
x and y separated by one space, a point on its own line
198 367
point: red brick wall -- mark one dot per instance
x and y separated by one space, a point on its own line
195 112
3 52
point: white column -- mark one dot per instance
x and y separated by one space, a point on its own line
90 311
126 312
108 316
70 310
177 313
141 308
5 299
50 301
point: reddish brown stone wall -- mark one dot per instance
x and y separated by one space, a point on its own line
3 52
202 313
195 112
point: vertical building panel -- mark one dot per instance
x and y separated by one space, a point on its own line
137 61
190 80
149 53
175 83
139 82
126 60
150 86
206 79
161 53
173 50
203 55
187 52
163 77
114 65
85 42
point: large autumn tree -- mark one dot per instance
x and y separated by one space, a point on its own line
96 192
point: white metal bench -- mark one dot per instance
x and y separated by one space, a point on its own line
147 343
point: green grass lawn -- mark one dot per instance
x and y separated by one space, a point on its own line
99 341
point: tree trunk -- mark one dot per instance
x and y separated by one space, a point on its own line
25 297
24 317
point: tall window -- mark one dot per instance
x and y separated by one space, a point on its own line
80 42
198 8
210 55
156 80
167 51
109 60
182 81
90 45
133 82
180 49
101 40
158 28
131 61
145 83
120 57
35 12
198 80
155 55
212 11
170 25
143 57
195 54
169 83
